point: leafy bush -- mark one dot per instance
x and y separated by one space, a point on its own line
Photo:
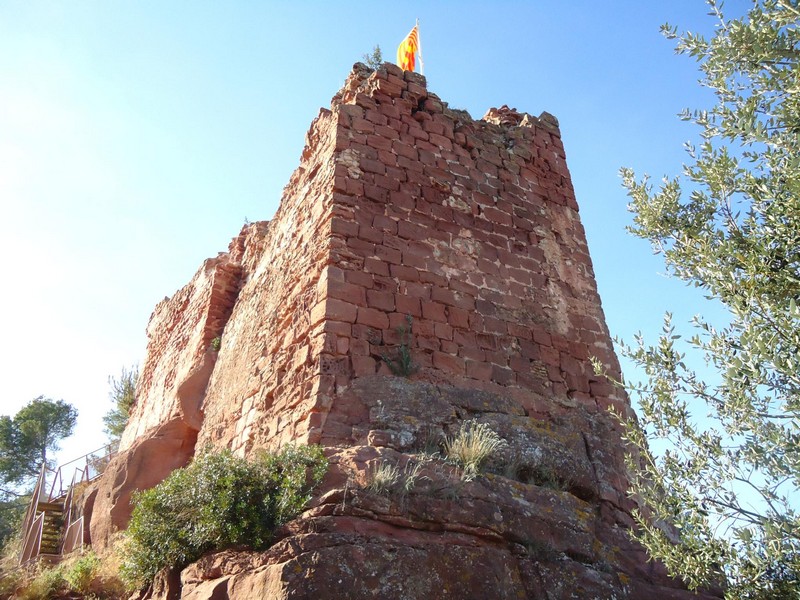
218 501
80 574
471 446
9 582
123 397
47 583
84 576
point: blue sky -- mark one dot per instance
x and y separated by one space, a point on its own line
137 137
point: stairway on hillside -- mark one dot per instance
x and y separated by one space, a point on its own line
51 529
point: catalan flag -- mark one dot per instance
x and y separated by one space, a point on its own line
407 49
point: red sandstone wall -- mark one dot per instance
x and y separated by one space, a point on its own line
179 357
264 387
472 229
400 207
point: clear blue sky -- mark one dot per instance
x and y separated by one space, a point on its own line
137 137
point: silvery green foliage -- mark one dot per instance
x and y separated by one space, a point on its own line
219 500
726 488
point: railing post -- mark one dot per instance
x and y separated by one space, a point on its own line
32 526
30 514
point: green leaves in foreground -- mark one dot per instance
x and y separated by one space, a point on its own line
716 461
218 501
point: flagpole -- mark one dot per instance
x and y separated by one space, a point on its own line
419 51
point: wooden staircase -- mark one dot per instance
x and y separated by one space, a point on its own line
52 528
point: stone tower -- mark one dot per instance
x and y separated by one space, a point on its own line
409 229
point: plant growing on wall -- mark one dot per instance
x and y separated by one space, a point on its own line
471 446
218 501
123 397
402 364
374 59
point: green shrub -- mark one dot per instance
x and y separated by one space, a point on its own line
471 446
9 582
217 501
47 583
80 574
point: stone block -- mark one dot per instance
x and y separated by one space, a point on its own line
385 224
458 317
376 266
434 311
405 273
449 363
334 309
502 375
375 116
379 142
363 365
381 300
387 182
362 125
478 370
349 292
370 234
372 166
408 305
443 331
389 255
372 318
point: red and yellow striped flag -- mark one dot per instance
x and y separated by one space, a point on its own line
407 49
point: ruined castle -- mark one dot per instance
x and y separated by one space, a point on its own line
407 227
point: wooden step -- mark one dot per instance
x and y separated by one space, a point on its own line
52 526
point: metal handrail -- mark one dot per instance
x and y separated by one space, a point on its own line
31 531
90 460
73 536
30 513
33 543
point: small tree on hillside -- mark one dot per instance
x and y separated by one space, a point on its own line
730 478
25 441
26 438
123 397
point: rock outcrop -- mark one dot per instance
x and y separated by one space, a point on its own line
409 231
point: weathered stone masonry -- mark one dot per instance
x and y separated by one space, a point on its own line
472 229
403 208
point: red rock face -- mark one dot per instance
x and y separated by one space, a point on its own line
404 212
